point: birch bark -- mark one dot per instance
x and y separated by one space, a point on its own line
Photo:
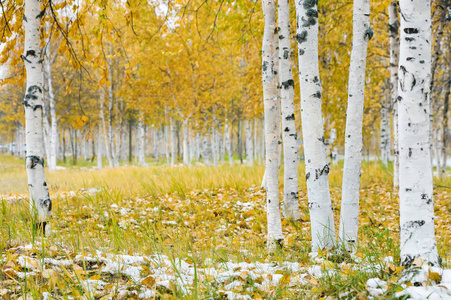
40 203
249 145
272 118
106 138
415 172
228 143
286 86
316 167
99 148
394 62
385 129
185 142
140 142
349 214
173 143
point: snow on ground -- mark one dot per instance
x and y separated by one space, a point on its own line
147 274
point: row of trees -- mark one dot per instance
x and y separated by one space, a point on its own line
412 68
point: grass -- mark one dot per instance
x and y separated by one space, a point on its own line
194 216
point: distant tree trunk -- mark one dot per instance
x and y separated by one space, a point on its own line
394 62
110 115
349 214
166 144
228 142
290 143
249 146
385 128
99 148
445 132
173 142
106 138
272 120
53 134
141 140
40 204
239 138
333 139
415 171
316 167
185 142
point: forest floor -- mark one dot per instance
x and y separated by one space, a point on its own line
199 233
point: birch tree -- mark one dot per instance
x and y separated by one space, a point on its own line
290 147
349 215
394 61
316 167
415 172
272 120
40 203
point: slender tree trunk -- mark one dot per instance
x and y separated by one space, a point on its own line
185 142
239 138
394 62
249 146
349 214
99 148
333 139
53 136
228 142
286 86
141 141
272 120
106 138
385 128
316 167
445 132
173 142
40 203
415 172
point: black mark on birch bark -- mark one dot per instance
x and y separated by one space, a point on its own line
34 160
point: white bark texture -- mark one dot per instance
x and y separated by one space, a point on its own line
40 203
415 171
289 135
99 149
185 142
173 142
332 140
102 118
385 129
272 132
249 144
394 61
349 214
228 143
140 141
316 167
53 134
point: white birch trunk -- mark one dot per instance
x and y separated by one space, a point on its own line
166 144
249 145
272 120
415 175
173 143
394 61
53 133
214 142
228 143
40 203
141 141
316 167
385 130
333 139
349 214
185 142
99 149
106 138
286 86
